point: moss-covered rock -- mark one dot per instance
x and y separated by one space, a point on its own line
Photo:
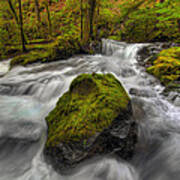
92 118
166 66
61 48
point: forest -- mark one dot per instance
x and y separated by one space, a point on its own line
44 25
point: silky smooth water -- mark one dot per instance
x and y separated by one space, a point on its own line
28 94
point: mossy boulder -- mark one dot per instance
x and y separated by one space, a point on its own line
149 53
166 67
92 118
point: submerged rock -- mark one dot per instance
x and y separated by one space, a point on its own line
142 92
92 118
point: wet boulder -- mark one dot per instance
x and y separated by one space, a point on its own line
147 54
167 67
163 61
93 118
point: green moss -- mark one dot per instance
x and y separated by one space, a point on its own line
38 41
61 48
166 66
34 56
173 52
9 51
116 38
91 104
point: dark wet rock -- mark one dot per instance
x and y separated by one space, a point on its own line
149 53
93 47
142 92
162 61
138 111
173 97
5 89
96 46
127 72
93 118
172 87
172 91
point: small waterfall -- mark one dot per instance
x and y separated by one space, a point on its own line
110 46
120 49
28 94
4 67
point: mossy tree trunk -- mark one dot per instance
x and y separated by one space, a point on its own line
37 10
92 4
86 24
82 16
97 13
13 11
15 16
18 20
21 26
48 17
89 13
178 22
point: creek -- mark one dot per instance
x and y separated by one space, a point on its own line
28 94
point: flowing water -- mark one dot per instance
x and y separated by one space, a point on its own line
27 95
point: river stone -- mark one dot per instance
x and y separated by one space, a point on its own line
93 118
147 54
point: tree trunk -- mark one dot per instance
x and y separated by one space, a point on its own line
88 24
15 16
37 11
86 27
178 22
92 4
49 18
97 13
82 19
161 1
50 2
13 11
21 26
